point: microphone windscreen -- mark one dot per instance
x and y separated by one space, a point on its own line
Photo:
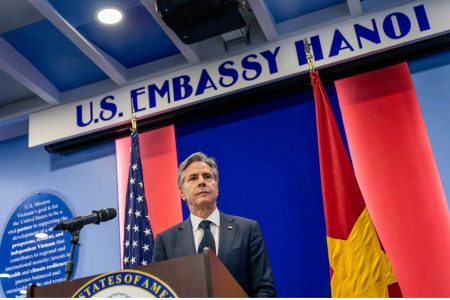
107 214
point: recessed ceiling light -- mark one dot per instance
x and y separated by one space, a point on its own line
109 16
23 292
4 275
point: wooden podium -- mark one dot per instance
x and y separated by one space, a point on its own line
200 275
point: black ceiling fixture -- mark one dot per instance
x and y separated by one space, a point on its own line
197 20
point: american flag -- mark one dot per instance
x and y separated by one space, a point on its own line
138 235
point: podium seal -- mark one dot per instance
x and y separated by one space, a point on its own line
125 284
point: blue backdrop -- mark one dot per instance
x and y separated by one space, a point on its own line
269 171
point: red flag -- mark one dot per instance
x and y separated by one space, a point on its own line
359 266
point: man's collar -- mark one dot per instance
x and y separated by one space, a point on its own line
214 217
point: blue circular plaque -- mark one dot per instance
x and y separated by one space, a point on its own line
27 256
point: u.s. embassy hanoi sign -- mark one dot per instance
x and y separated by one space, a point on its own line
350 39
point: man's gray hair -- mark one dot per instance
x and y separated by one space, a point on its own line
197 156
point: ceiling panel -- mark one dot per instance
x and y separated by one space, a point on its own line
80 12
57 58
283 10
137 40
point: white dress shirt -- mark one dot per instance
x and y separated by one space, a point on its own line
214 217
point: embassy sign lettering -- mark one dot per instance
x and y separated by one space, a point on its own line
351 39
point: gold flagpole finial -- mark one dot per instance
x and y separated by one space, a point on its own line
133 123
133 118
309 56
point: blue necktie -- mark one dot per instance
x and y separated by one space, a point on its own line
208 238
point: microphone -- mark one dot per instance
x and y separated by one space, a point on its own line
96 217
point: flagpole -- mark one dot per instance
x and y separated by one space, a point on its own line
309 56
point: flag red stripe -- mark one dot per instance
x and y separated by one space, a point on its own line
159 164
395 168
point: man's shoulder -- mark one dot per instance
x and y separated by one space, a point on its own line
238 219
173 229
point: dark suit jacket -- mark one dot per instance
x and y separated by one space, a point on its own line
241 249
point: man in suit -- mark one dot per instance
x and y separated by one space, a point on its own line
238 241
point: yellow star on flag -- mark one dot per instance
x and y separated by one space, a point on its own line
361 268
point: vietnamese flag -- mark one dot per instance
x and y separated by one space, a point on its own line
359 266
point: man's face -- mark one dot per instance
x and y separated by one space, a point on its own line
200 188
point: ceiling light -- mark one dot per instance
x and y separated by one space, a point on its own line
4 275
109 16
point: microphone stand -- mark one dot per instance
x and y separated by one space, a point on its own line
74 242
75 229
